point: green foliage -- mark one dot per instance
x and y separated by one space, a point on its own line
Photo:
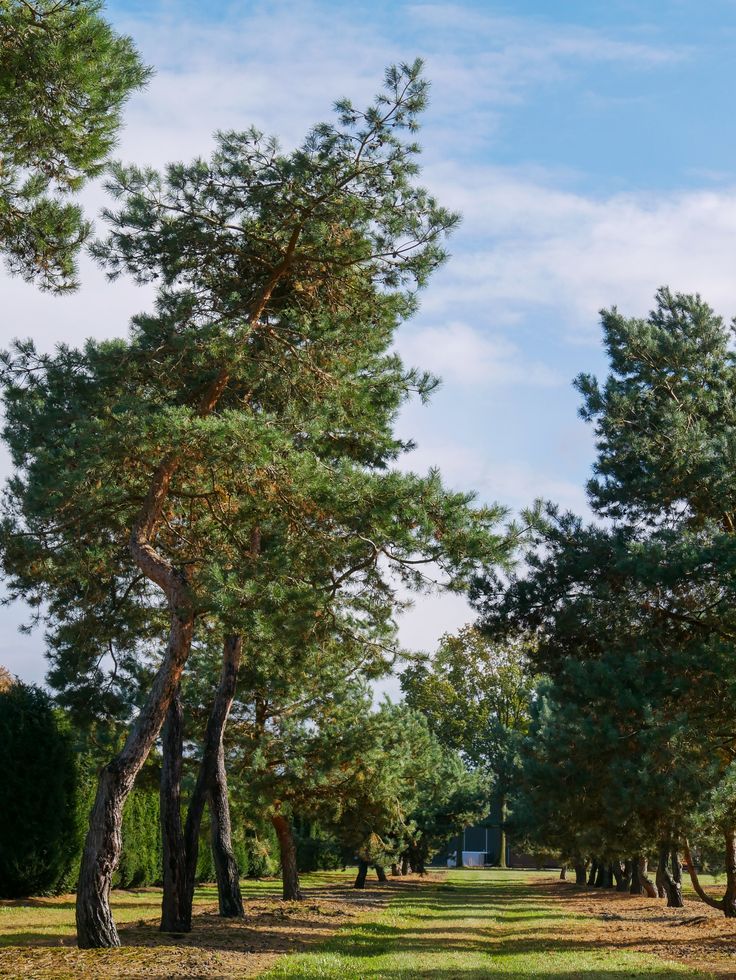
630 743
39 828
141 858
284 279
65 76
318 850
475 696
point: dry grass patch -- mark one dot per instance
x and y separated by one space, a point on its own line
37 936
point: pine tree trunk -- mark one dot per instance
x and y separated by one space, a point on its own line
676 867
622 875
617 874
670 886
593 872
404 864
176 911
580 877
646 883
229 896
95 924
289 870
729 897
600 876
211 787
627 873
362 874
380 872
395 872
563 873
636 887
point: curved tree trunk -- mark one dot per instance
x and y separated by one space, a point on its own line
380 872
289 870
362 874
211 788
601 876
645 880
671 887
176 911
563 873
101 854
715 903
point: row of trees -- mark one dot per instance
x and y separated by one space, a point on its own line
340 782
630 754
206 515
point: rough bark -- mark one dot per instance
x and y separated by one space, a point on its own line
729 898
289 870
395 872
580 877
176 912
563 873
380 872
670 886
229 896
95 924
362 873
601 876
676 866
404 864
101 854
211 788
636 887
617 873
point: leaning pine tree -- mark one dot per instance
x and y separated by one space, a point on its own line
246 405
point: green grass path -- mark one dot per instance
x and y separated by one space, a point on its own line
473 925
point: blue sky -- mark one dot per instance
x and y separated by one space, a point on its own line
591 147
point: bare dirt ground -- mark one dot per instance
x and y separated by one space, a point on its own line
697 936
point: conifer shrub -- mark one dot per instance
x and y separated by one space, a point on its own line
39 794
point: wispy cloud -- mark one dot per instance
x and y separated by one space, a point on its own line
528 244
460 353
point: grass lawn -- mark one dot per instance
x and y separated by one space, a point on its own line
473 925
458 925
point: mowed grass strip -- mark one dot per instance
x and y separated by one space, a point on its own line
472 925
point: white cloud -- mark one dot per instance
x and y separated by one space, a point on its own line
528 244
460 353
513 483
